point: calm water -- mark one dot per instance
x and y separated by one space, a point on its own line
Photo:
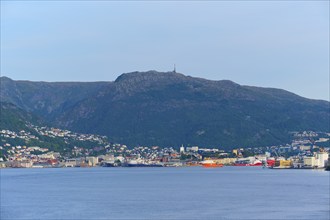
164 193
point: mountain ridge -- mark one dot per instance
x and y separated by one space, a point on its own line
169 108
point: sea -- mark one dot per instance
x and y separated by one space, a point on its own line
164 193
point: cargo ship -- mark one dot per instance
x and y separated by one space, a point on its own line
248 163
270 162
281 164
211 164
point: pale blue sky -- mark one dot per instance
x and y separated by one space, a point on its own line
281 44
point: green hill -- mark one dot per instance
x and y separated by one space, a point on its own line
15 119
170 109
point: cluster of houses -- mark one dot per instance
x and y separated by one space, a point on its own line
303 152
25 135
66 134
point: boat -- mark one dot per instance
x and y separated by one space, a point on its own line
281 164
270 162
109 164
248 163
211 164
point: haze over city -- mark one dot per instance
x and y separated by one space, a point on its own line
270 44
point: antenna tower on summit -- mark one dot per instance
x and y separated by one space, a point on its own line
174 71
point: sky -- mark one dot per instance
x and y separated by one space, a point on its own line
283 44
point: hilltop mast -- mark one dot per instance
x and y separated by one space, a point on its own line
174 71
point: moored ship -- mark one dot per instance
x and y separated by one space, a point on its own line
211 164
248 163
281 164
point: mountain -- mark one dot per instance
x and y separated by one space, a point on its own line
170 109
47 99
15 119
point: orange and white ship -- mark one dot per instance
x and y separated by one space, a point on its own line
211 164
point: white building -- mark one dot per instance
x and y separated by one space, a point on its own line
107 157
309 161
195 148
181 149
321 159
92 161
70 163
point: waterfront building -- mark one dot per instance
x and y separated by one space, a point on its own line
107 157
22 164
92 161
321 159
70 163
309 161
